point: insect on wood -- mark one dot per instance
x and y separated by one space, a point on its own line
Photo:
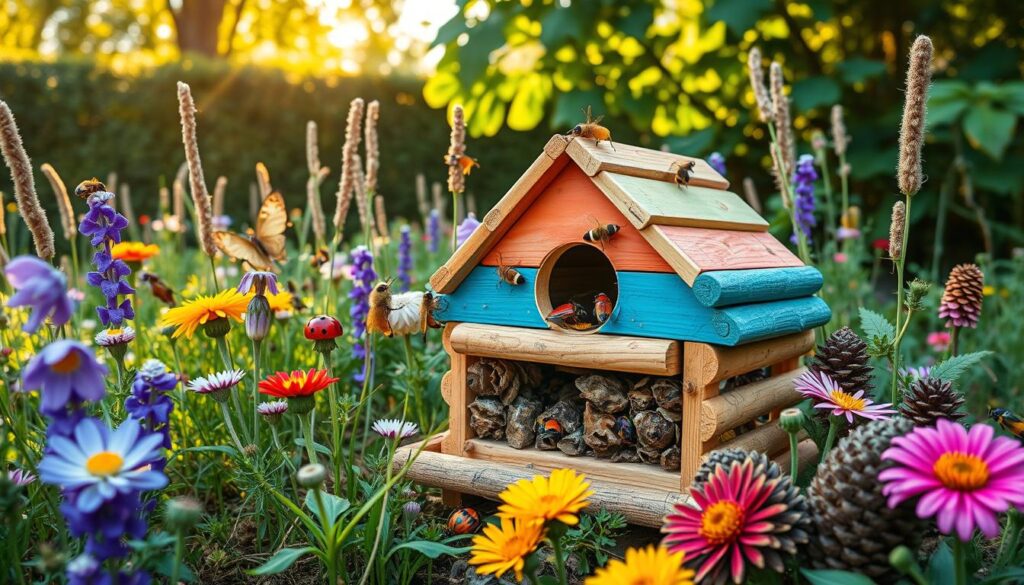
683 171
592 128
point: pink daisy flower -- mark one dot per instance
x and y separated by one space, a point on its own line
829 395
964 478
939 340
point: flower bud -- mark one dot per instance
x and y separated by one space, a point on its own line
902 559
791 420
182 513
916 293
218 327
411 510
258 318
301 404
311 475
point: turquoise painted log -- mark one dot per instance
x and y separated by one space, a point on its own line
722 288
649 305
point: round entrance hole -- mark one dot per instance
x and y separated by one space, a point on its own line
572 279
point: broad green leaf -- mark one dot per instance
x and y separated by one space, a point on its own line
440 88
876 326
739 15
835 578
450 30
948 90
940 566
527 108
695 142
281 560
430 549
945 112
1007 575
334 505
859 69
814 92
475 55
561 25
1013 96
989 130
951 369
569 108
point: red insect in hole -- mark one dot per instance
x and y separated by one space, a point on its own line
570 314
464 521
602 307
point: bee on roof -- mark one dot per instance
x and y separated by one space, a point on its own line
592 128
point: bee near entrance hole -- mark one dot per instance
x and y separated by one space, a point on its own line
576 289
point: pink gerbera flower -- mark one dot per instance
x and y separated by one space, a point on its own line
829 395
964 478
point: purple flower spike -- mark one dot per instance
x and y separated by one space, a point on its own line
40 287
434 230
66 371
364 277
405 258
104 225
466 228
803 180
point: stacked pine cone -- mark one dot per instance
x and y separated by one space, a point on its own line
844 357
961 300
929 399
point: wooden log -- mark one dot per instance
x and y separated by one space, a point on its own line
570 206
639 503
728 362
659 357
636 161
501 217
744 404
649 305
644 202
460 396
692 251
699 384
769 439
721 288
807 455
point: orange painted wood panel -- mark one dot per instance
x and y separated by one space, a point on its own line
569 207
705 249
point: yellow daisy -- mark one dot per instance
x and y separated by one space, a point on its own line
647 566
558 497
134 251
282 301
503 548
202 309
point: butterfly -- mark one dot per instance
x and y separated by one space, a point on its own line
261 248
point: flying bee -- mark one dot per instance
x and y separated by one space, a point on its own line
296 301
1010 422
592 128
509 275
319 258
684 171
464 162
158 288
602 307
380 308
601 233
88 187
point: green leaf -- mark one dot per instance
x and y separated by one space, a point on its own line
281 560
814 92
875 325
334 505
561 25
739 15
693 143
475 55
450 30
430 549
940 566
527 108
440 88
1013 96
859 69
1007 575
989 130
835 578
950 370
636 23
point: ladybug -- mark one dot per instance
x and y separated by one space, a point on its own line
323 329
464 521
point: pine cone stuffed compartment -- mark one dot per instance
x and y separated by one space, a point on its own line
853 528
961 301
930 399
844 357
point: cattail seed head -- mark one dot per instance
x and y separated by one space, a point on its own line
783 123
197 183
381 216
312 148
456 180
24 185
896 230
750 192
372 146
60 191
317 174
919 76
263 180
349 163
219 190
840 139
764 104
359 192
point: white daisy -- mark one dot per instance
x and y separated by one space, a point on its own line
218 382
110 337
392 428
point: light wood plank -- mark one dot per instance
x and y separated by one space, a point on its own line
692 251
769 439
659 357
642 505
642 162
459 396
570 206
726 362
721 288
645 202
697 387
744 404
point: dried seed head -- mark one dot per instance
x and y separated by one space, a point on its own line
840 139
127 209
896 230
919 76
24 185
783 124
60 190
219 190
178 188
349 163
197 183
764 104
362 203
312 148
380 215
750 192
372 146
421 196
456 180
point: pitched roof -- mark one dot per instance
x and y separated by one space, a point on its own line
698 228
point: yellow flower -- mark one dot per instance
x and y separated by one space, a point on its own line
988 290
282 301
647 566
541 499
504 548
134 251
198 311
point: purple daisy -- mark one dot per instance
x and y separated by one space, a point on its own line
260 280
829 395
65 371
40 287
20 477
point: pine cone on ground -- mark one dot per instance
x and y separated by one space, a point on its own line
961 301
930 399
854 529
725 458
844 357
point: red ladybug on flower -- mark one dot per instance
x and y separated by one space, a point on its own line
464 521
323 330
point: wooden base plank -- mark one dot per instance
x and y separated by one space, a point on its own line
645 202
658 357
640 504
722 288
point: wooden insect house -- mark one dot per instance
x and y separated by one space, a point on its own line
621 313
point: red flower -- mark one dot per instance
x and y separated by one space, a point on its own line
296 384
880 244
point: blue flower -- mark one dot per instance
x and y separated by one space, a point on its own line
717 162
434 230
66 371
149 402
99 465
466 228
104 225
364 277
804 177
40 287
405 258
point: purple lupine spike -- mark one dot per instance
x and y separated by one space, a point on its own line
149 402
363 277
405 259
434 231
803 186
104 225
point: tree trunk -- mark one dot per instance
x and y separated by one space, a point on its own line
197 23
